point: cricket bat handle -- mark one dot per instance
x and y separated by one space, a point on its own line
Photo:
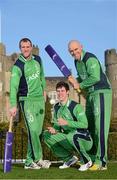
78 90
72 80
10 124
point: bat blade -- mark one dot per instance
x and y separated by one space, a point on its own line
57 60
7 165
8 152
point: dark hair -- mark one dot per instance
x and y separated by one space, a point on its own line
24 40
62 84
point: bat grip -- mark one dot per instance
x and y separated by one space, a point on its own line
10 124
78 90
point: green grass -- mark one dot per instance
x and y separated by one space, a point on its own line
18 172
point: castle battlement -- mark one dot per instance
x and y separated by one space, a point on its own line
110 57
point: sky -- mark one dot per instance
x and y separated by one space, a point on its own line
56 22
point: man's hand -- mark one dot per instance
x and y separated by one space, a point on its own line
51 130
13 111
62 122
45 96
74 82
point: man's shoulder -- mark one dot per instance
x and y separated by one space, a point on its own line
19 63
88 55
73 104
37 58
56 105
34 55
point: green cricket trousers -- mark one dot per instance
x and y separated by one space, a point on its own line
98 112
33 113
64 145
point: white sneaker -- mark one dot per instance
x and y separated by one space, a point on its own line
44 163
86 166
67 164
33 165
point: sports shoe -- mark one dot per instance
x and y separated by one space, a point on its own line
67 164
97 167
44 163
86 166
33 165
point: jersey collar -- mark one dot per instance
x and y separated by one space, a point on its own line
24 59
66 104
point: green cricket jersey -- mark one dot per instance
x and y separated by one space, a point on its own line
27 79
80 120
90 73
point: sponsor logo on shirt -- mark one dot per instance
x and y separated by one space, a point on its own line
34 76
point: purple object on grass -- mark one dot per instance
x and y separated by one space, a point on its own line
8 152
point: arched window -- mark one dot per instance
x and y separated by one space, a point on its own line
53 95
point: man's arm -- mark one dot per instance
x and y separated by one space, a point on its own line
93 72
74 83
43 81
81 119
14 85
42 76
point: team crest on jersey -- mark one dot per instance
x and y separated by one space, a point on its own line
29 116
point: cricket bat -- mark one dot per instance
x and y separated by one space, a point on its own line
59 62
8 148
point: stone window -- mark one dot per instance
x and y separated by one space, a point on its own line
53 97
115 94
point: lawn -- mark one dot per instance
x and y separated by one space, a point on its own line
18 172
